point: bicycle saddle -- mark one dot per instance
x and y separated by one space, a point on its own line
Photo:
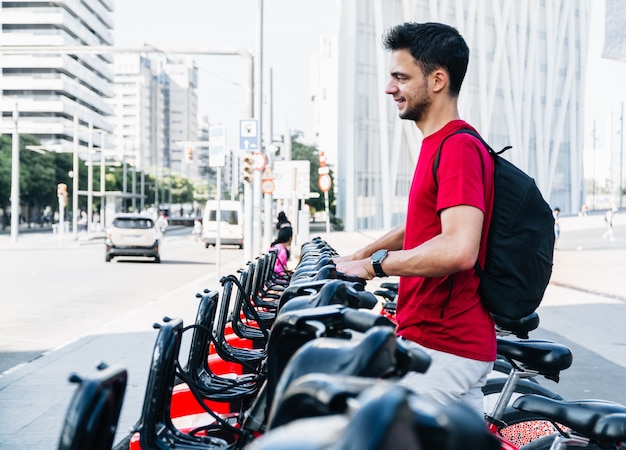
581 416
518 327
545 357
335 292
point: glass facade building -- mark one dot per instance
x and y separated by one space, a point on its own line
524 88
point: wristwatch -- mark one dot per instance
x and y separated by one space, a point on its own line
377 259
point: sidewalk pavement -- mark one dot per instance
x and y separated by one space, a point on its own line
34 397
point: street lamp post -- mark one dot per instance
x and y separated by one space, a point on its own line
621 156
102 181
593 196
90 179
15 178
75 180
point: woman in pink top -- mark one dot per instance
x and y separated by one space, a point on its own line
281 244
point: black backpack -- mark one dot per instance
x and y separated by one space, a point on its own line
520 243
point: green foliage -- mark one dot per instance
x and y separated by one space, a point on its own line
182 190
38 178
40 173
5 169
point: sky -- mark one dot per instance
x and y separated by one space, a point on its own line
292 32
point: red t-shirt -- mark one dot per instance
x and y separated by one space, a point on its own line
445 313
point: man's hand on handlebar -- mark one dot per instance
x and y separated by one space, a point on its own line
342 259
361 268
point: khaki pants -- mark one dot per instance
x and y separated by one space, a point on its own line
449 378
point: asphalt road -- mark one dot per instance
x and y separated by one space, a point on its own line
54 293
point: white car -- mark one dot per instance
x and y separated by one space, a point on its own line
132 235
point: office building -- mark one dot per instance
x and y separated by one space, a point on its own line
524 87
155 108
52 87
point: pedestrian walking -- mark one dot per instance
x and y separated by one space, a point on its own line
197 230
282 221
557 226
608 219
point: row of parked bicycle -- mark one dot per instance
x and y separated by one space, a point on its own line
309 361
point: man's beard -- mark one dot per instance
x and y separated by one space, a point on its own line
417 111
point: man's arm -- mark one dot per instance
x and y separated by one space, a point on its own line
454 250
392 240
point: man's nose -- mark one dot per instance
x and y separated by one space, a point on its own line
391 88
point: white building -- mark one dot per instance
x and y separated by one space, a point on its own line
50 88
613 103
324 82
156 113
181 115
139 120
524 87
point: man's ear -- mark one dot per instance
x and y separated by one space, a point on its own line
439 79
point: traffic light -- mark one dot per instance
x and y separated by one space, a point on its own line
248 168
62 192
189 151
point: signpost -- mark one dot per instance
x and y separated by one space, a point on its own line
217 146
292 178
324 183
217 159
267 181
249 135
248 142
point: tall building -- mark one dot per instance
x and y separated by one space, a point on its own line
615 30
524 87
615 49
51 88
324 83
139 118
155 108
181 121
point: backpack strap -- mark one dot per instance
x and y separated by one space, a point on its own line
462 131
492 152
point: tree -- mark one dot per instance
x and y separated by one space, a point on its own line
300 151
37 176
182 190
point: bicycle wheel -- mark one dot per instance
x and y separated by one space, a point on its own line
545 443
521 427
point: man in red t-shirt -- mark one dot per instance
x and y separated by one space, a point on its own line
445 233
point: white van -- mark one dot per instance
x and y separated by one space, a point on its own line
231 225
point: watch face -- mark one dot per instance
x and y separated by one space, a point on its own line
379 255
377 258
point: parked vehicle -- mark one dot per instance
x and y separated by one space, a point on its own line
132 235
231 223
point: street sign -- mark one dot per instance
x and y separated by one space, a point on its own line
267 186
249 135
323 181
267 181
260 161
292 178
217 146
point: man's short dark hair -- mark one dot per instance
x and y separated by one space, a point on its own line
432 45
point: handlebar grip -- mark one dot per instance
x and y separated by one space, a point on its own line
364 320
350 278
367 300
411 359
